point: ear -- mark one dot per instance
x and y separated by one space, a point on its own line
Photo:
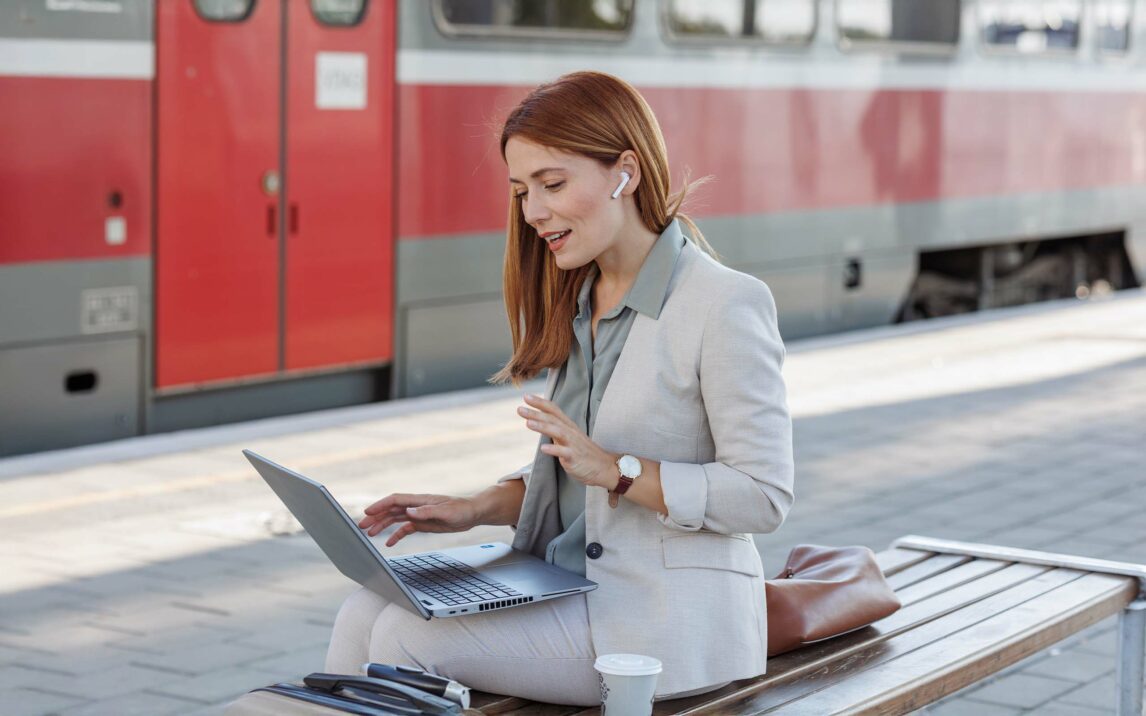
627 162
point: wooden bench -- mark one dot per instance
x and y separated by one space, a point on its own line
969 611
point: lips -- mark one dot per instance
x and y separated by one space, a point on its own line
556 239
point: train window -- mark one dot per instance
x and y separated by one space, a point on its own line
224 10
1112 26
341 13
772 21
533 17
923 24
1031 26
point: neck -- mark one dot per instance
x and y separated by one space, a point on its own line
620 264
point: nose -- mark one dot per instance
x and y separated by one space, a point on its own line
534 210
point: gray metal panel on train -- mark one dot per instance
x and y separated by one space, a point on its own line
267 398
801 294
55 300
77 19
450 346
448 268
37 411
877 300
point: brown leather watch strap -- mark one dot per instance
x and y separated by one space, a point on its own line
623 485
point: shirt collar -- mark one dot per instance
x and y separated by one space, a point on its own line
648 292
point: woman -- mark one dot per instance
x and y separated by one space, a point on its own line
651 488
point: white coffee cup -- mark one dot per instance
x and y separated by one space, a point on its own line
628 683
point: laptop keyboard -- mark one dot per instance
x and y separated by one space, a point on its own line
448 580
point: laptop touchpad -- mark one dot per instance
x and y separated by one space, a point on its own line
513 573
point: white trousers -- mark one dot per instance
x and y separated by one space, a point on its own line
541 651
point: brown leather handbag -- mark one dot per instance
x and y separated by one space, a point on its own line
825 592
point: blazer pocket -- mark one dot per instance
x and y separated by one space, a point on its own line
709 550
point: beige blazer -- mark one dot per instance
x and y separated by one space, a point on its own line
698 389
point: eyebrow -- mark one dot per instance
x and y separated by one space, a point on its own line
536 174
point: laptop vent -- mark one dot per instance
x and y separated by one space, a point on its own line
503 603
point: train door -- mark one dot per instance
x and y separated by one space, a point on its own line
273 221
339 298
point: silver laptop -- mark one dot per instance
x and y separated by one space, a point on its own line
446 583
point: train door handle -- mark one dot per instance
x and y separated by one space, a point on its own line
271 223
294 218
271 182
853 274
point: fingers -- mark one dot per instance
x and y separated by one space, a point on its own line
557 450
374 526
424 512
548 407
401 533
399 501
549 430
431 517
393 508
545 424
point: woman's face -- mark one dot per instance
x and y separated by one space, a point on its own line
566 198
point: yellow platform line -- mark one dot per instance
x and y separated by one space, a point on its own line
194 483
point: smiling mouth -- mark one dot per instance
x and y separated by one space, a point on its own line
550 238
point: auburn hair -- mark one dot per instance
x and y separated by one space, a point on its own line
597 116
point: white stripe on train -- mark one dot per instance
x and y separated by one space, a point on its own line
814 70
136 60
92 59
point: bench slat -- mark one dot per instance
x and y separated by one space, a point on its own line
532 708
924 675
950 579
896 559
836 664
926 569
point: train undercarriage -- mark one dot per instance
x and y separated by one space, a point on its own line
954 281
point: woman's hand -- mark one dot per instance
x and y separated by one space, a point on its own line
419 513
583 459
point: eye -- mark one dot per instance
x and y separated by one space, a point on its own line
555 185
520 194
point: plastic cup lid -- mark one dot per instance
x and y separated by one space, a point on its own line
628 664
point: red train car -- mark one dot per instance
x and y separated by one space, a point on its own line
217 210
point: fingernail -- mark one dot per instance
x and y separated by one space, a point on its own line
412 510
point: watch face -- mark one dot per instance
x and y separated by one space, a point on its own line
630 466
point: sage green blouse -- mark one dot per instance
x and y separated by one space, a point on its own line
583 379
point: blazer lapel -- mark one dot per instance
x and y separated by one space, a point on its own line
634 357
633 354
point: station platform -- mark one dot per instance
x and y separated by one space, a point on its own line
160 575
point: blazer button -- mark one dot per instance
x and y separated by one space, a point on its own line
594 550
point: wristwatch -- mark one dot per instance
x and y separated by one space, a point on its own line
630 469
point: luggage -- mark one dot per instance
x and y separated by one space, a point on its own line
330 694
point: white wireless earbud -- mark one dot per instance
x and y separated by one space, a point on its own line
624 180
